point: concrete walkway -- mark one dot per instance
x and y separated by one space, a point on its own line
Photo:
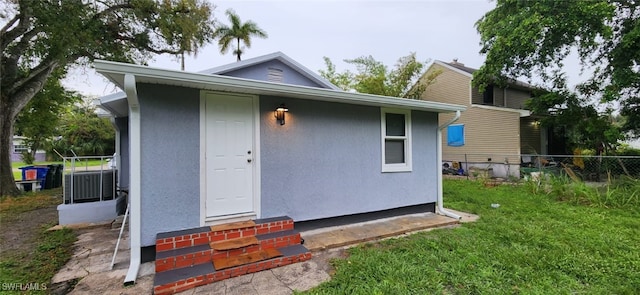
93 251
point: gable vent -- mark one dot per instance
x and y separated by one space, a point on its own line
275 75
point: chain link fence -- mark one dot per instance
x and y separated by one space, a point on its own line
515 167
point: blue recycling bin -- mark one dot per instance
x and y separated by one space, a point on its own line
41 173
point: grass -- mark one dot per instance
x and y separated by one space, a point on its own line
53 250
33 267
79 164
531 244
10 207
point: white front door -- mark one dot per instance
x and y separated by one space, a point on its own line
229 154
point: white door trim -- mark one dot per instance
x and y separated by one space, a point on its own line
203 169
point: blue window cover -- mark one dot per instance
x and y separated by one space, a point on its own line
455 135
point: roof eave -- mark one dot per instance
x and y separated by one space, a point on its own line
115 72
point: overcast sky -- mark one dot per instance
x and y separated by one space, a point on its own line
308 30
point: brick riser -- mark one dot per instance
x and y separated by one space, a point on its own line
200 255
185 259
204 274
202 238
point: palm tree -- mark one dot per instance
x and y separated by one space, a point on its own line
239 32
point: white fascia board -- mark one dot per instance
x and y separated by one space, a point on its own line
116 71
272 56
523 113
459 71
240 64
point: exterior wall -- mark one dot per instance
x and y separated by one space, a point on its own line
530 136
448 87
323 162
170 130
487 132
498 96
326 161
516 99
40 155
476 96
123 169
260 72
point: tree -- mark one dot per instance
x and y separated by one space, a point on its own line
40 37
84 133
186 32
527 38
581 123
373 77
238 31
39 120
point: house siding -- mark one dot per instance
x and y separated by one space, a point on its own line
326 161
448 87
169 136
498 96
516 99
260 72
530 136
476 96
488 133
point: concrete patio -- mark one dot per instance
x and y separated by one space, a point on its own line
89 268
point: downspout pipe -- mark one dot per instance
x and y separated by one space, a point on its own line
439 201
134 178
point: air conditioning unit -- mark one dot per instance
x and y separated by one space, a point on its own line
85 186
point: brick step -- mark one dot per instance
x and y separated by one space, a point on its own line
194 255
182 279
246 258
204 235
234 243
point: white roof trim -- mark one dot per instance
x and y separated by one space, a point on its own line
272 56
446 65
523 113
115 72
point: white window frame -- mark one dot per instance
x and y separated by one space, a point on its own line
396 167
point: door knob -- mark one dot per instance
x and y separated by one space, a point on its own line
248 160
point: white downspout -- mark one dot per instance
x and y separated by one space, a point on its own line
439 164
134 178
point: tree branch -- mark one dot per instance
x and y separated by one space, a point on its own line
147 47
7 37
9 24
111 9
44 66
24 42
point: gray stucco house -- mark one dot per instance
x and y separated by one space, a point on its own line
202 148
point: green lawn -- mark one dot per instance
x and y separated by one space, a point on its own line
39 257
79 164
531 244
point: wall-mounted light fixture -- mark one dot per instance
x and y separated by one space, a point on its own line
279 113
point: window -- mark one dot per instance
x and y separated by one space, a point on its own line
455 135
487 96
20 148
396 140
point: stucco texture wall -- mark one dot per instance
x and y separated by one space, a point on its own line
261 72
326 161
123 170
170 131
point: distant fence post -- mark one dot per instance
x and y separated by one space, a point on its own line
466 165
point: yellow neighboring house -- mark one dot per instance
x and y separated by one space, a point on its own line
495 130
